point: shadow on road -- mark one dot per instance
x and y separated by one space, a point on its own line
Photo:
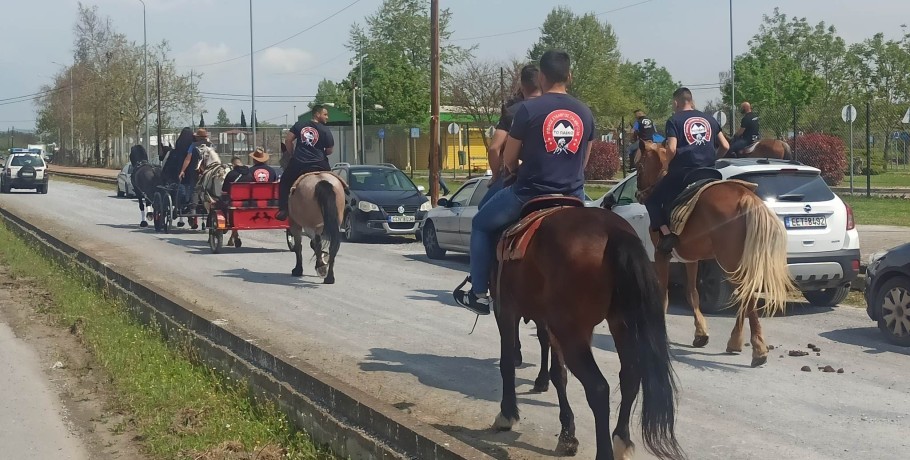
493 442
867 337
276 279
455 262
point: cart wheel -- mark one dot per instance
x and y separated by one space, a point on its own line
168 212
216 240
290 239
157 215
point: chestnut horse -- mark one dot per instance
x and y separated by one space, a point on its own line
732 225
766 148
582 266
315 207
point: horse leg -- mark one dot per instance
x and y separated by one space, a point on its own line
701 326
322 268
518 358
662 267
298 249
629 382
576 350
508 407
334 245
142 217
542 382
567 442
759 348
735 344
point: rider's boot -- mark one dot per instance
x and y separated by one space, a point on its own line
667 240
477 303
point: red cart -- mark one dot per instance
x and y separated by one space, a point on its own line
250 206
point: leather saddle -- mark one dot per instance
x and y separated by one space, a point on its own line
515 239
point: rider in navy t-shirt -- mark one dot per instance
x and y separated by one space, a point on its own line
551 135
314 143
748 132
697 141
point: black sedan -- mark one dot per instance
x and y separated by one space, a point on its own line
382 201
888 293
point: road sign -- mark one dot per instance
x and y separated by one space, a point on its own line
239 137
721 117
415 133
848 114
454 128
222 138
906 118
381 133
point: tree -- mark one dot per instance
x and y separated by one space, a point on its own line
652 85
332 93
593 49
242 120
202 120
222 119
474 86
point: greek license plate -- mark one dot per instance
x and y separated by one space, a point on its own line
25 174
805 222
401 219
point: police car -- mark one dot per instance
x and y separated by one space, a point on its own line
24 169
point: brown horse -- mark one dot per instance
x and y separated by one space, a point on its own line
766 148
315 207
732 225
584 265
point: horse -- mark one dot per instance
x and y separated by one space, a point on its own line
145 179
765 148
315 207
212 173
732 225
582 266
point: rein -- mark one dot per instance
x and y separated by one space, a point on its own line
644 194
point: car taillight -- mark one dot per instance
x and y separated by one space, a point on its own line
855 265
850 223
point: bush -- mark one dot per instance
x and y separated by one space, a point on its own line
604 162
822 151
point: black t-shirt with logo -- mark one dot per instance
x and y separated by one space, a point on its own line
263 173
750 123
312 140
645 129
555 130
696 139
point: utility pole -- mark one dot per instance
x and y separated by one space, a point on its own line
72 123
354 119
434 102
252 75
145 69
192 104
732 79
158 77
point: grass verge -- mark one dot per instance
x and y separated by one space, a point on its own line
879 210
182 410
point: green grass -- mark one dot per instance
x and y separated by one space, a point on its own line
892 178
157 383
879 211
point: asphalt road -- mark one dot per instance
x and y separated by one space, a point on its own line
389 327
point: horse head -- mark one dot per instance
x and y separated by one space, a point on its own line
208 157
651 167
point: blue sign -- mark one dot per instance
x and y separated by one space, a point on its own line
381 133
415 133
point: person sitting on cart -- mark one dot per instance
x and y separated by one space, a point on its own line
261 171
314 145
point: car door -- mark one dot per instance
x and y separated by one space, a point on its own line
635 213
467 215
447 224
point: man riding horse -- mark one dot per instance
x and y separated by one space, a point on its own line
551 135
314 143
695 141
748 132
642 131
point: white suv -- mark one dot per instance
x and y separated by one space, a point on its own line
822 241
26 169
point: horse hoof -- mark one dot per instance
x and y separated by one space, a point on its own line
518 359
504 424
322 271
329 281
180 224
623 450
541 385
143 224
700 341
759 361
238 243
567 445
298 272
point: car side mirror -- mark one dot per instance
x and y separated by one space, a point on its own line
421 188
609 201
444 202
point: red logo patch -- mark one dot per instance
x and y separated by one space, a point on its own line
309 135
262 175
697 131
563 132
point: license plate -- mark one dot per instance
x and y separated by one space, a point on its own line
805 222
401 219
28 174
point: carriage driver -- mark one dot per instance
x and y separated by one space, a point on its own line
692 137
314 145
551 134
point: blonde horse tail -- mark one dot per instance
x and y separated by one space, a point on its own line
762 270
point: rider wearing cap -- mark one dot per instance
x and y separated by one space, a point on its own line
642 131
694 140
551 135
314 144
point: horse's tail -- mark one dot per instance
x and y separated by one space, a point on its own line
763 266
636 292
788 152
331 221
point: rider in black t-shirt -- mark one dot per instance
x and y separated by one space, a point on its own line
748 132
314 144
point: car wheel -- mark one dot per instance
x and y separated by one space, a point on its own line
41 189
714 290
120 193
350 232
4 188
827 297
431 242
893 303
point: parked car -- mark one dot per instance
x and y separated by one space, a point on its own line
24 169
382 201
822 241
448 225
125 182
888 293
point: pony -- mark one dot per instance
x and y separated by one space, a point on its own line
583 266
765 148
212 173
146 179
315 207
732 225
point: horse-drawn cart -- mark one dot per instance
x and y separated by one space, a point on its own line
250 206
171 202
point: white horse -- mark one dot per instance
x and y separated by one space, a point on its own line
212 175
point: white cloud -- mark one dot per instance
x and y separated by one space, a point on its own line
202 53
284 60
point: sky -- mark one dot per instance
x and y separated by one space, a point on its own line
691 38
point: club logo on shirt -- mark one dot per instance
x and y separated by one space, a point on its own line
563 132
309 135
697 131
646 123
261 175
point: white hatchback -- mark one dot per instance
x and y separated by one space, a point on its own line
822 242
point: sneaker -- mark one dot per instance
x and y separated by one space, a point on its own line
479 304
667 243
282 215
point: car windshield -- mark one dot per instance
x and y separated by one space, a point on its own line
793 187
390 180
27 160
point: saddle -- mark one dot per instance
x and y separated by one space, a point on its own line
515 239
745 151
682 207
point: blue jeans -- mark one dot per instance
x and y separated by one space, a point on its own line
738 144
663 195
493 188
502 210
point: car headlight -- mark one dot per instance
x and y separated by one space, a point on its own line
366 206
426 206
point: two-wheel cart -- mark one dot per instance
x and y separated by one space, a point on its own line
250 206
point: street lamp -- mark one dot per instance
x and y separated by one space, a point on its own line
252 75
145 70
732 77
362 107
72 125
